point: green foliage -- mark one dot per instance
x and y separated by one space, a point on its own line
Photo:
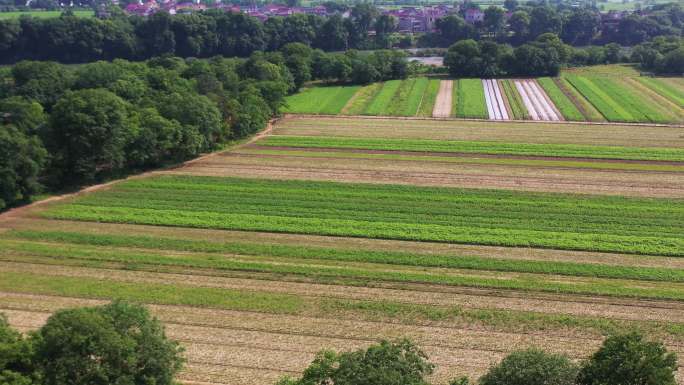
471 99
320 100
523 219
566 107
429 98
628 359
130 345
380 104
472 147
531 367
514 100
16 354
23 158
388 363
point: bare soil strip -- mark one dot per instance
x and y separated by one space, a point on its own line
524 178
285 344
442 108
422 294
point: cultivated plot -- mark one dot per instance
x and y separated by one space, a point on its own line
472 238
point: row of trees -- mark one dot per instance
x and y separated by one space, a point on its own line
661 55
577 26
543 57
72 39
625 359
64 126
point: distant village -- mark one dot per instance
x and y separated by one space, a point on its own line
411 19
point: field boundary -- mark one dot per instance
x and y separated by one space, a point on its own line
291 115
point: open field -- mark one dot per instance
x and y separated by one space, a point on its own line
43 14
473 238
613 93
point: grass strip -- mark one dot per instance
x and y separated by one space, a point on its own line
471 99
17 242
382 100
514 100
383 310
567 163
429 98
358 103
149 293
402 99
473 147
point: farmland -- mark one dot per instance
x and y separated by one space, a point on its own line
472 238
591 94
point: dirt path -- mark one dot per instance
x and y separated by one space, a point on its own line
442 108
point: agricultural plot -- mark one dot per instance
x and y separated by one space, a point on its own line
620 101
320 100
515 102
496 108
666 88
470 99
566 107
536 102
473 238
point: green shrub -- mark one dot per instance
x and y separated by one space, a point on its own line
629 360
532 367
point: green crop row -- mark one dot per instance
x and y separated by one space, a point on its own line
401 99
514 100
138 260
471 99
456 159
429 98
640 106
361 99
492 148
288 304
77 240
566 107
598 97
383 99
415 97
320 100
588 110
630 225
664 89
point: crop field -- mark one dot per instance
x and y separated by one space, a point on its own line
472 238
595 94
410 97
470 99
43 14
320 100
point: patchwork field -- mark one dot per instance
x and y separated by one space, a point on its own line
472 238
591 95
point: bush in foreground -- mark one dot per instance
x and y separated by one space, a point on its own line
628 359
532 367
118 343
388 363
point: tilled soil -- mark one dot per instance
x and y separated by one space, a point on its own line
524 178
423 294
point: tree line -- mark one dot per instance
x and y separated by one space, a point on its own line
121 343
576 26
548 54
623 359
64 126
71 39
